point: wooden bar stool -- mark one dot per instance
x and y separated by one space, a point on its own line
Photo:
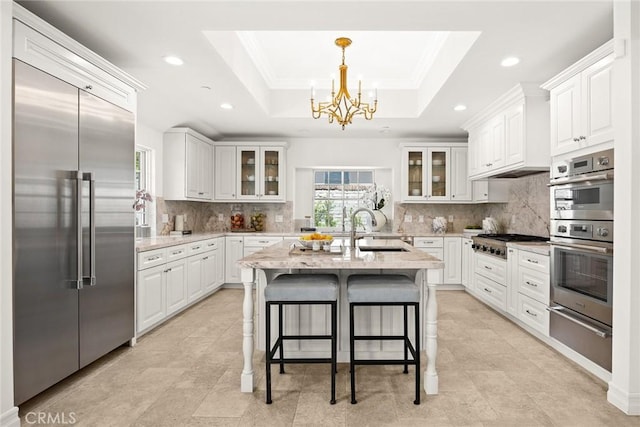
385 290
298 289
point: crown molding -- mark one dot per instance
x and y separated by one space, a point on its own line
595 56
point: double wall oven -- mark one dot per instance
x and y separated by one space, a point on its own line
581 192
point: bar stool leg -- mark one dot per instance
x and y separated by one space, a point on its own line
281 341
406 341
352 357
416 311
268 348
334 347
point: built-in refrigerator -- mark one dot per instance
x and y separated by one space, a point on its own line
73 229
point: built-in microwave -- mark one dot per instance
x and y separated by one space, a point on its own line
582 188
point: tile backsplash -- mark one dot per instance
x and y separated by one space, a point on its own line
526 212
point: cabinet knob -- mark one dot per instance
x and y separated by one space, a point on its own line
576 139
453 195
582 137
88 87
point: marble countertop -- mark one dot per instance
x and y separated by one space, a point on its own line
541 248
158 242
343 257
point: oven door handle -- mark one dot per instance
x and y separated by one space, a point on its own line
583 178
559 310
576 246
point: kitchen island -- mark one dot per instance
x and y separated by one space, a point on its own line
370 257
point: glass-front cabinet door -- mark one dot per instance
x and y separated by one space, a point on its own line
414 162
261 173
248 172
272 166
438 174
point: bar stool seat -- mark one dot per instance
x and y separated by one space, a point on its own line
298 289
385 290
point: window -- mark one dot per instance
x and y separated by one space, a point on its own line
336 194
143 181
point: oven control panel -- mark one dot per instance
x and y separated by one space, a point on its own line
587 230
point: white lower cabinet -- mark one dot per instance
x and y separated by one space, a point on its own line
448 249
492 292
186 274
534 314
467 264
491 280
151 298
176 282
234 250
532 287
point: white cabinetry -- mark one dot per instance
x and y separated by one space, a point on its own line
187 165
467 276
581 106
234 250
44 47
253 244
170 279
510 135
491 280
448 249
250 172
435 173
225 173
533 290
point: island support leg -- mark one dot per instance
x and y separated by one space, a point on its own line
431 375
246 378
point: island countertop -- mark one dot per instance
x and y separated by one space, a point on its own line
343 257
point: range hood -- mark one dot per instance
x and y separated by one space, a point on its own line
519 173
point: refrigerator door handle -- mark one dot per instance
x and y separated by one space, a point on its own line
88 176
79 273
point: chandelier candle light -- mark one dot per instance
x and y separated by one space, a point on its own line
342 107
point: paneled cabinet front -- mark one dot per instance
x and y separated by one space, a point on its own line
254 173
435 174
188 165
581 105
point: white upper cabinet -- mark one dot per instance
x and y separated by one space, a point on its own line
39 44
510 136
225 172
580 98
188 165
461 188
250 172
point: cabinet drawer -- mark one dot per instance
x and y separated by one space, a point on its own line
194 248
176 252
428 242
534 284
534 261
261 241
148 259
491 292
492 268
212 244
533 313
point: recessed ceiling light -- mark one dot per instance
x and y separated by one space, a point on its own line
460 107
173 60
510 61
226 106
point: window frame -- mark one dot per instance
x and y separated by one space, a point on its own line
142 166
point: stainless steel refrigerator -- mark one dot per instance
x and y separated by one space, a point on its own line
73 250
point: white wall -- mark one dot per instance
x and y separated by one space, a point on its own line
624 388
304 154
8 413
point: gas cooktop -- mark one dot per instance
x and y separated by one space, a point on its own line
496 244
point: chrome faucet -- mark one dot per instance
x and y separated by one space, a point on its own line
353 222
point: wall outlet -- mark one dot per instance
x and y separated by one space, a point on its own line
513 219
408 218
165 218
220 217
184 218
450 218
279 218
421 218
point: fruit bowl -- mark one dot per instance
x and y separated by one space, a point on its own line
308 240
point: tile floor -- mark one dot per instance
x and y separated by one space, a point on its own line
187 373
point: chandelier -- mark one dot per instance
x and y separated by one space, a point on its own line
342 107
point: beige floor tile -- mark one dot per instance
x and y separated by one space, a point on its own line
187 373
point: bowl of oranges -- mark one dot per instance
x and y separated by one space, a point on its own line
308 239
